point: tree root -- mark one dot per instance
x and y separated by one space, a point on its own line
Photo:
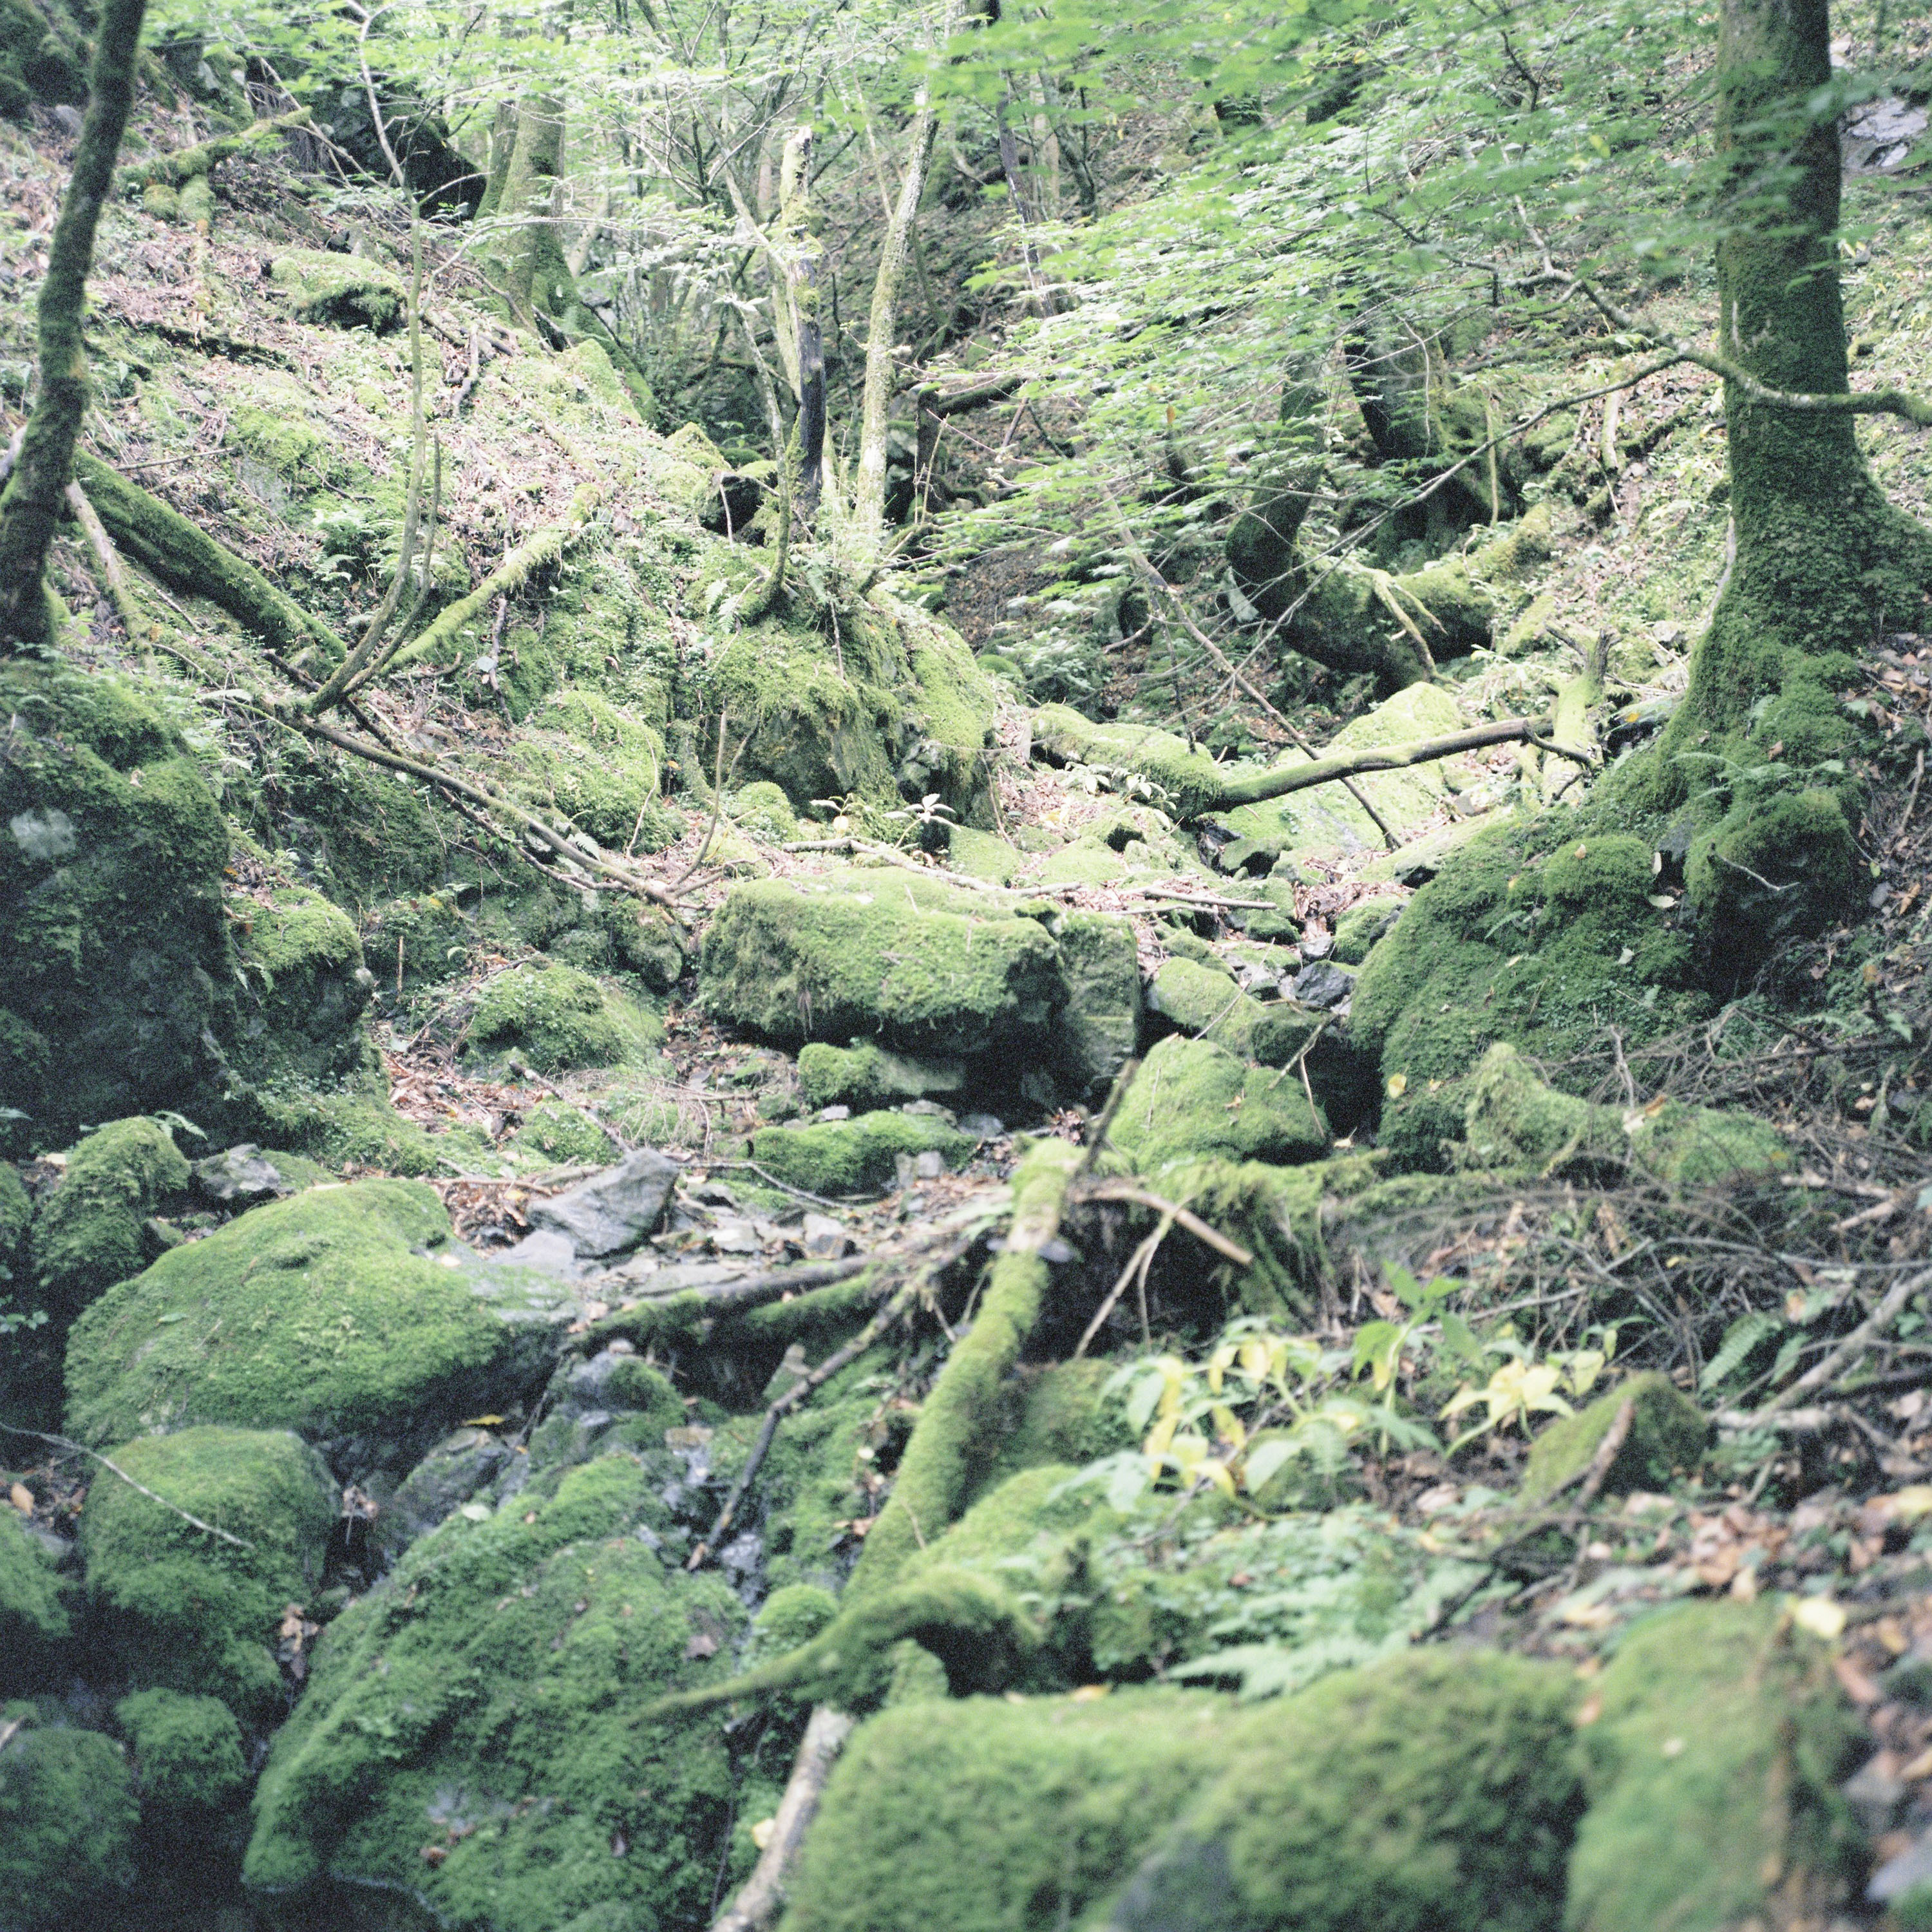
763 1892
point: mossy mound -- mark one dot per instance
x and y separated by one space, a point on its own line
342 1312
301 963
1668 1433
559 1017
564 1136
881 954
850 1156
1098 1028
1189 782
90 1232
1192 1100
340 291
597 764
43 58
1513 1120
110 908
482 1701
34 1619
864 1075
1714 1769
67 1819
1771 872
188 1762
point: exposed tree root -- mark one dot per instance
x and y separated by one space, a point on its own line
763 1892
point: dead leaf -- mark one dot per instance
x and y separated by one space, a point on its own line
702 1644
22 1498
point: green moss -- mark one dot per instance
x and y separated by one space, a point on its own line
89 1232
1436 1793
597 765
306 988
1206 1000
43 58
1192 1100
1358 928
188 1764
1513 1120
864 954
67 1827
864 1075
485 1700
955 701
34 1620
850 1156
790 1619
338 1310
1768 874
564 1135
1192 782
762 810
1667 1436
420 941
344 291
182 1609
560 1017
349 1128
1098 1028
110 907
1713 1773
1057 1414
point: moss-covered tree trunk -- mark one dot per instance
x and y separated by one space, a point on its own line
36 491
1823 561
798 270
533 259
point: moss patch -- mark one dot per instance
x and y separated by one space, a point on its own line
307 987
188 1764
560 1017
1667 1436
1193 1100
89 1233
34 1620
341 291
849 1157
67 1817
863 1074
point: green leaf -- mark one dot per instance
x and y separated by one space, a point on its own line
1740 1338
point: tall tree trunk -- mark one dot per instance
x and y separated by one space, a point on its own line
533 259
36 491
798 270
868 508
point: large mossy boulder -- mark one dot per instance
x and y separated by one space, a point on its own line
92 1230
182 1609
111 927
67 1823
1192 1100
559 1017
1720 1739
470 1735
347 1314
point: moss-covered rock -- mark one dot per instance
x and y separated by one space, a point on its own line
1098 1028
880 954
1192 1100
1513 1120
564 1135
67 1818
43 57
342 1312
1667 1436
34 1619
1714 1769
600 766
850 1156
188 1761
1771 872
864 1075
560 1017
306 986
182 1610
1358 928
340 291
483 1701
110 907
90 1231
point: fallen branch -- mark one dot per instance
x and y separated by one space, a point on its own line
1852 1348
763 1892
114 578
1183 1217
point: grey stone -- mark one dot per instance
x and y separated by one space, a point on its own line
609 1214
983 1126
1911 1868
240 1177
460 1465
825 1238
1316 944
1321 985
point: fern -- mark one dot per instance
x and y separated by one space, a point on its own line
1740 1338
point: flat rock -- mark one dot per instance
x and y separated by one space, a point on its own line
609 1214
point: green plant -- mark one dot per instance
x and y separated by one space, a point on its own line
1521 1387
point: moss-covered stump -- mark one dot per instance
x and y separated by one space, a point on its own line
925 967
559 1017
306 987
864 1075
850 1156
1513 1120
340 291
91 1232
67 1819
34 1620
346 1313
470 1735
1192 1100
181 1609
188 1764
1720 1739
1437 1793
1667 1436
110 908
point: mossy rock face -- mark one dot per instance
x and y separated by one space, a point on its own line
1714 1770
863 1074
183 1610
306 988
493 1681
560 1017
863 954
1192 1100
1358 928
850 1156
1436 1793
340 291
188 1763
1098 1028
1513 1120
1668 1433
420 941
34 1620
346 1313
43 58
597 764
90 1232
67 1819
110 908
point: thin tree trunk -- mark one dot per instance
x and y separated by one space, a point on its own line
533 256
36 492
798 271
